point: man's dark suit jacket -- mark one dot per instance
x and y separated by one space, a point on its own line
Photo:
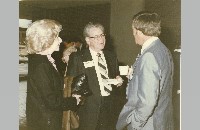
89 112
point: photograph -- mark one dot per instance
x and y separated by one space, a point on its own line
99 65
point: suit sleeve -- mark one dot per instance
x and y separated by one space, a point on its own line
117 67
148 90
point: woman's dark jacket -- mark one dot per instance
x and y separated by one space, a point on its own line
45 103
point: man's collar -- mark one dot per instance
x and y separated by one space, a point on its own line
148 43
94 52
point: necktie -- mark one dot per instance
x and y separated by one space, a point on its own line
104 73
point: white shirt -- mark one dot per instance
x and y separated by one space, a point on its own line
52 61
147 43
95 61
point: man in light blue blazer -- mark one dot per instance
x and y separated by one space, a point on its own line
149 91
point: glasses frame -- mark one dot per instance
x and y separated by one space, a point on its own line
98 36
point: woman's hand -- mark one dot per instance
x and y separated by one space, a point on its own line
67 53
77 98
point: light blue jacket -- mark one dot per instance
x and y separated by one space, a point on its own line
149 92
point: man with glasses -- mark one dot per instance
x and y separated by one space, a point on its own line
101 69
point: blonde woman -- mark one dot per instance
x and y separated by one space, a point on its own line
45 102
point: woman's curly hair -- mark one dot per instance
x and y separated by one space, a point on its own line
41 34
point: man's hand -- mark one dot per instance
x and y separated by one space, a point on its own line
77 98
120 80
130 73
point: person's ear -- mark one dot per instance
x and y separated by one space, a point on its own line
139 32
87 40
134 31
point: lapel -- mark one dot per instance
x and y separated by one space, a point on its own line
156 42
90 71
86 56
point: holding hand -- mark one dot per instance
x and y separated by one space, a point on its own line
77 98
120 80
130 73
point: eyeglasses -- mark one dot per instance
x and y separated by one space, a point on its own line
98 36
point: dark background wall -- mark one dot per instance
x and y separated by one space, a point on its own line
73 19
170 12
